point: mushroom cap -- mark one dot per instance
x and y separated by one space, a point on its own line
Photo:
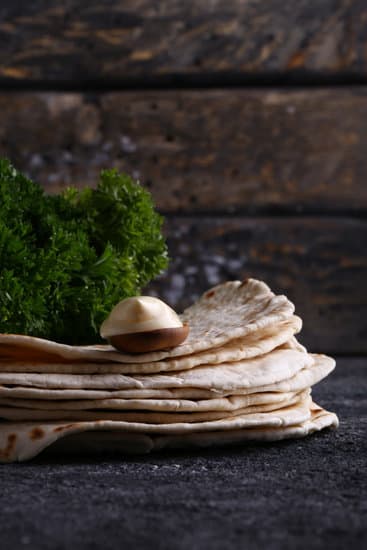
139 314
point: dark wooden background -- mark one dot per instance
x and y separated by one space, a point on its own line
246 119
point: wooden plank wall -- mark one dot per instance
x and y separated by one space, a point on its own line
247 120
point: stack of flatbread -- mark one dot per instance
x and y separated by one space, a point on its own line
241 375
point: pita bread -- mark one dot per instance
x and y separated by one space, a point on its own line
323 365
55 394
228 311
229 403
286 416
148 417
266 369
252 345
94 443
319 420
303 379
293 343
22 441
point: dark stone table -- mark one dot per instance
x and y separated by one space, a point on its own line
296 494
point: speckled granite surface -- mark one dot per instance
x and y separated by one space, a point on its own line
297 494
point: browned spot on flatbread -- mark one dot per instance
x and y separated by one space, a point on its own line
9 447
62 428
59 429
244 282
210 293
36 433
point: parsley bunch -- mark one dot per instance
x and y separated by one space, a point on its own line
66 260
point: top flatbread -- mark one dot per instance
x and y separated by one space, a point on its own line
252 345
228 311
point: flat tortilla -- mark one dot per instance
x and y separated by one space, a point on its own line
252 345
95 443
276 366
149 417
229 403
227 312
303 379
22 441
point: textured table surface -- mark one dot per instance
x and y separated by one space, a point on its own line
296 494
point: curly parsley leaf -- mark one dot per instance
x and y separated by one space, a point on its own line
66 260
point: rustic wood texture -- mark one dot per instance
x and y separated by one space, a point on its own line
119 40
212 150
249 152
320 264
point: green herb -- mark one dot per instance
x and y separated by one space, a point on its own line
66 260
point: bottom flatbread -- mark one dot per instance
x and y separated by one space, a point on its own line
98 443
23 441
